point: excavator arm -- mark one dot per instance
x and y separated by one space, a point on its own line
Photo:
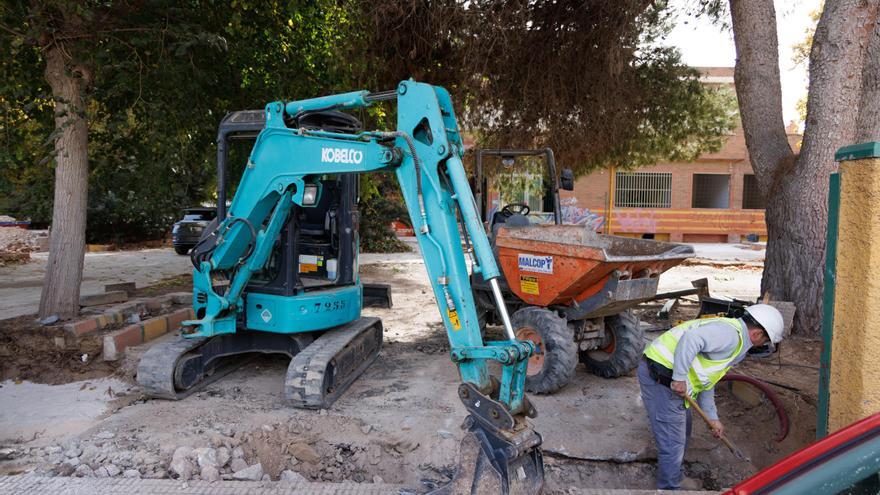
500 452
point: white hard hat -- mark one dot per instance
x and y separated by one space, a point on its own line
770 319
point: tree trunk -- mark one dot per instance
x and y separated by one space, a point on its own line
60 295
869 108
796 187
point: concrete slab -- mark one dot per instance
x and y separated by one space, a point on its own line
38 411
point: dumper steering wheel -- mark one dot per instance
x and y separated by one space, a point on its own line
512 209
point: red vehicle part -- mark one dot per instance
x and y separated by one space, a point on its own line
808 457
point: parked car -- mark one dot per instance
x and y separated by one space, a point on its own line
187 231
845 462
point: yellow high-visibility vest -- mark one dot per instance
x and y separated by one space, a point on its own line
703 372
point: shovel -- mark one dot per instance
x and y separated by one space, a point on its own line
738 453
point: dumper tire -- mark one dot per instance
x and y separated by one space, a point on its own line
558 351
622 354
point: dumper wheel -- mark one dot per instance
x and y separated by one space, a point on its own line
554 364
626 342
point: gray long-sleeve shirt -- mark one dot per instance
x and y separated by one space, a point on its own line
714 340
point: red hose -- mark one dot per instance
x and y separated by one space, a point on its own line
770 394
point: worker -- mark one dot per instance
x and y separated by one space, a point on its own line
690 359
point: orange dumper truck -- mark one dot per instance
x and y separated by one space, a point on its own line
569 289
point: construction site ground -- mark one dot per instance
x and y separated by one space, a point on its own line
397 425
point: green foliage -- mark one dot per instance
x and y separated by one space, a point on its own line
164 74
380 203
527 175
590 79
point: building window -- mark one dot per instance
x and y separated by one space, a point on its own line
752 199
643 190
711 191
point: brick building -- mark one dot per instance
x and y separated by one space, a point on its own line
712 199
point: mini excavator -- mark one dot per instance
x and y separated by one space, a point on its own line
278 273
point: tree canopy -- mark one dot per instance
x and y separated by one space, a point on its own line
590 79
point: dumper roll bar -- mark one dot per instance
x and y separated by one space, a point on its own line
479 187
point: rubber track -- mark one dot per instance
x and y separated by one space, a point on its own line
306 384
156 369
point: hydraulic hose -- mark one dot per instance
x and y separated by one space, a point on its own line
198 257
770 394
416 162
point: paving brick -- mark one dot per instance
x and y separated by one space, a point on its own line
154 327
175 318
105 298
81 327
116 342
102 321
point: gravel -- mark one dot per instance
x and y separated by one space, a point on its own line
250 473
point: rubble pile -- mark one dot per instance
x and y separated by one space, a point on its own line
274 452
16 244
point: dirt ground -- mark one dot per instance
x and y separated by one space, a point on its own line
399 423
29 352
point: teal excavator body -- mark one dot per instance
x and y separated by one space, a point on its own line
278 274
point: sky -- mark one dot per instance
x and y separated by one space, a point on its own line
704 44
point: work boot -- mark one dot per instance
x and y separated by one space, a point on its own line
692 484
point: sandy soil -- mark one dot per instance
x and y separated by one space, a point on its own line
400 421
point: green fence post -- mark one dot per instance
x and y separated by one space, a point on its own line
828 304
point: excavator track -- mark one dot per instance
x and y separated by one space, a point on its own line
158 366
322 367
319 374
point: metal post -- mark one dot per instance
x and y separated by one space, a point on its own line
610 209
828 305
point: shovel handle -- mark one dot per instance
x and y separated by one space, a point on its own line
708 421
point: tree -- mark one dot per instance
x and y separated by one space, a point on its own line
841 110
591 79
73 42
138 89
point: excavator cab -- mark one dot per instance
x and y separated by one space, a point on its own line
318 245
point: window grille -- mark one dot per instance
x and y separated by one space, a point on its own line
643 190
752 199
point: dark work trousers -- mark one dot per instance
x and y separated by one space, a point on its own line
671 426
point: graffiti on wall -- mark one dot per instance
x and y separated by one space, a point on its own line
637 221
572 214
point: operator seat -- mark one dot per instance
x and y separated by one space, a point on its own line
316 221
